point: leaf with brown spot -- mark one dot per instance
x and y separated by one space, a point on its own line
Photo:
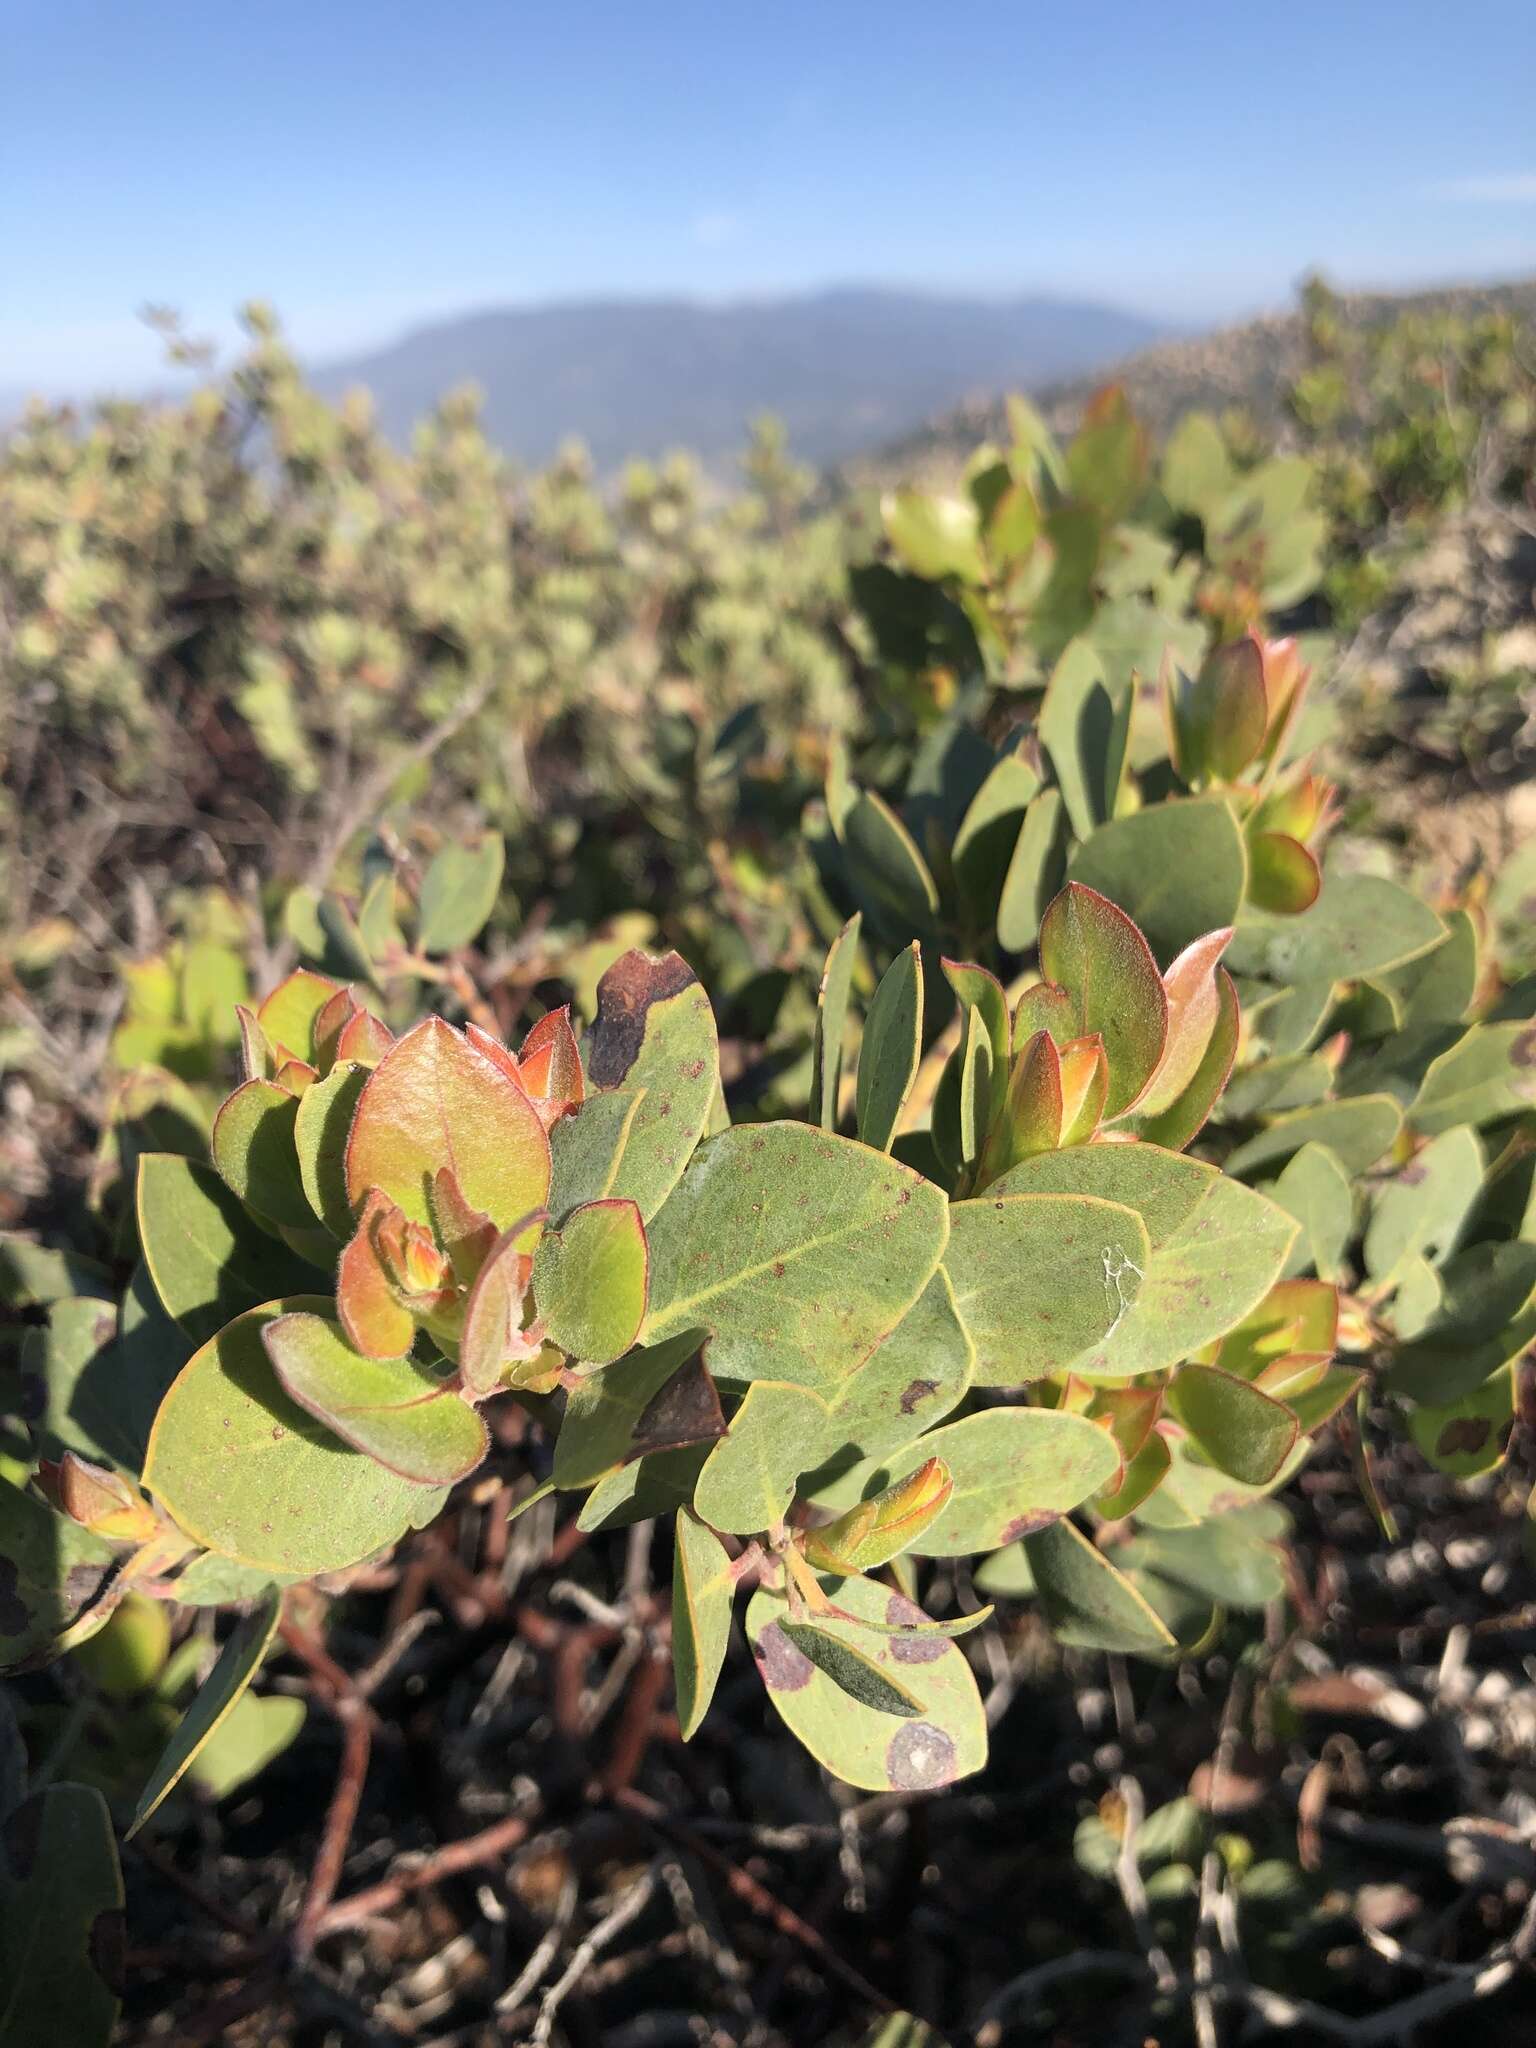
654 1057
684 1412
944 1739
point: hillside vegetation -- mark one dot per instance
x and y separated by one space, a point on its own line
1247 369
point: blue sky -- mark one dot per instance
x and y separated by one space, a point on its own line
366 163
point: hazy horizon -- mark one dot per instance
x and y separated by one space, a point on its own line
371 169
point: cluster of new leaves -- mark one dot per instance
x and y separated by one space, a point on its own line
1184 804
827 1352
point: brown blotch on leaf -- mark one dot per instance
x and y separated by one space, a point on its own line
901 1613
1467 1433
625 996
782 1667
1029 1525
918 1390
107 1947
919 1757
685 1411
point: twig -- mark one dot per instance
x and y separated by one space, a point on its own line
629 1907
474 1850
368 795
341 1817
548 1948
1212 1873
1133 1891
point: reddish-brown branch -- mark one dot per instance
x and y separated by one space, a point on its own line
356 1719
471 1853
340 1819
637 1725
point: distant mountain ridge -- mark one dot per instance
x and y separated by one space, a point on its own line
846 370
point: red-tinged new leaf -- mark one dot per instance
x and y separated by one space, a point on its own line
1089 947
376 1321
1183 1120
364 1040
334 1014
1029 1119
1129 1413
257 1060
493 1336
550 1067
1218 718
1084 1088
1044 1008
435 1101
1236 705
495 1052
1194 1006
466 1234
1282 875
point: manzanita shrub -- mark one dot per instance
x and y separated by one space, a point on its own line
823 1362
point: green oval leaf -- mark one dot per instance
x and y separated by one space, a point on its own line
748 1480
458 893
1040 1280
1216 1249
248 1473
392 1409
589 1280
915 1377
800 1251
702 1591
1014 1470
1357 1130
320 1133
253 1149
1034 872
1089 1604
1239 1428
208 1260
